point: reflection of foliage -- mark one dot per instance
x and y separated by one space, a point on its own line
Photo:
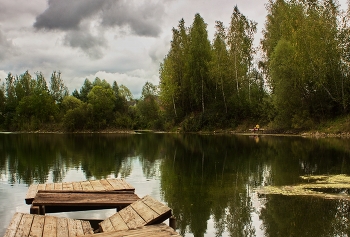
299 216
201 177
197 184
31 158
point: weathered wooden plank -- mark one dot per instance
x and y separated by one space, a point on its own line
32 190
91 192
86 185
37 226
122 183
58 186
159 230
62 227
67 186
131 218
75 228
157 206
118 222
50 226
106 225
97 186
126 184
50 186
107 186
34 209
77 186
41 187
24 226
87 227
116 185
144 211
11 230
84 199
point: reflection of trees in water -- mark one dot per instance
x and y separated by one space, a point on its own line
31 158
205 176
203 181
305 216
202 177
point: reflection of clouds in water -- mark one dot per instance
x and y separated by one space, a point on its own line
11 201
96 214
144 186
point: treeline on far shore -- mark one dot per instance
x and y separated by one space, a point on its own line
301 79
28 103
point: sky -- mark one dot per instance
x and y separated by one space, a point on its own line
116 40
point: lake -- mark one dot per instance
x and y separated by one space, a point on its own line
210 181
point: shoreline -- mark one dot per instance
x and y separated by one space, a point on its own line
312 134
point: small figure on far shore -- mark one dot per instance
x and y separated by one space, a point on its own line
256 128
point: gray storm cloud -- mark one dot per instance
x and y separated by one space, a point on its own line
143 20
66 14
71 17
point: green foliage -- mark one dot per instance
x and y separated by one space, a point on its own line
79 118
57 88
70 103
85 90
310 83
148 108
212 82
102 100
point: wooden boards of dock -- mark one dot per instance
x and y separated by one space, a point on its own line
145 211
135 216
50 202
158 230
102 185
24 225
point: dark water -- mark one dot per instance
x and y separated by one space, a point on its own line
209 181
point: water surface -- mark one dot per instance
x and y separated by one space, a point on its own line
209 181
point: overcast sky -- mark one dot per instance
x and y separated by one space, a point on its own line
116 40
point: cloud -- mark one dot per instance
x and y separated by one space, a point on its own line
143 19
78 20
67 14
92 45
7 48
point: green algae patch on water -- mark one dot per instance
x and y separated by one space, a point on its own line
322 186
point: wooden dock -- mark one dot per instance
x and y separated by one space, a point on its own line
102 185
50 202
145 211
135 216
158 230
37 225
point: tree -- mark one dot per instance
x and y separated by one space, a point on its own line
70 103
103 102
23 85
11 100
85 90
148 107
120 101
125 93
57 88
219 63
240 41
198 62
36 106
174 85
